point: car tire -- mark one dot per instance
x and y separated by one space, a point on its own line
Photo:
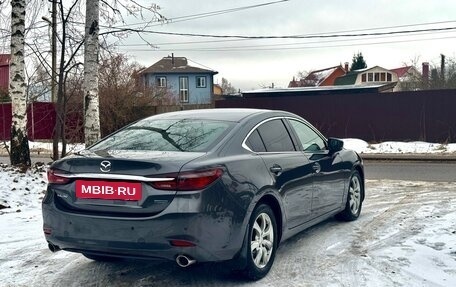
262 243
101 258
355 198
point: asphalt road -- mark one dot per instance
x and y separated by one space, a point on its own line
45 159
443 171
411 170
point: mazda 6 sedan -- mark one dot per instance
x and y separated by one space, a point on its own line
203 185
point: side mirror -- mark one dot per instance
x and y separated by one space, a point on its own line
335 145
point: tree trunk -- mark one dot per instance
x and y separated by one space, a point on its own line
58 100
20 153
91 103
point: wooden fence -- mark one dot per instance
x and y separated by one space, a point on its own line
375 117
41 119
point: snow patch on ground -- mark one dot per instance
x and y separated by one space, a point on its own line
417 147
357 145
43 148
21 190
406 236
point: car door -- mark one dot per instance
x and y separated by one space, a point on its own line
289 169
327 174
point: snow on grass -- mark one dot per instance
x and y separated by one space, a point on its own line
21 190
45 147
357 145
417 147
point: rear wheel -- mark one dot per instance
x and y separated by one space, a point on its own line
354 198
262 242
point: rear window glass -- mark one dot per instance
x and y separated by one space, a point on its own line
189 135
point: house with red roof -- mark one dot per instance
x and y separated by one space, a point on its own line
323 77
403 78
409 78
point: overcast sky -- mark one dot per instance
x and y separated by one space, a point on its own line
250 64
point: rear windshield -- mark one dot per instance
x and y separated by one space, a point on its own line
191 135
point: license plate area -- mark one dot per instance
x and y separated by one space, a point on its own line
112 190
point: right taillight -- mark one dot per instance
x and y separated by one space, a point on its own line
190 180
54 177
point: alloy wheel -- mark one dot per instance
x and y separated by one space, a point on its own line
262 240
355 194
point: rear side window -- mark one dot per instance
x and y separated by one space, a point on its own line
275 136
255 143
190 135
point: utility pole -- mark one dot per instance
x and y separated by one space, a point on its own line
53 24
54 52
442 69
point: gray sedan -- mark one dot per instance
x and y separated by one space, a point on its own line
197 186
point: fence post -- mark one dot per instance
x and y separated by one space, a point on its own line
33 122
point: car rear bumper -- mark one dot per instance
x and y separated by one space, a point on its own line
216 235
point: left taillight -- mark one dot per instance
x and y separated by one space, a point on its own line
56 177
190 180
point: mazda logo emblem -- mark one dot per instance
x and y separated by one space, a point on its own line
105 166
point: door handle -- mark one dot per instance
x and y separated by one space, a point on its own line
316 167
276 169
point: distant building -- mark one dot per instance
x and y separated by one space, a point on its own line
218 90
187 84
369 76
317 91
4 73
323 77
409 78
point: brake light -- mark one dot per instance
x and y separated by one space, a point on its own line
55 178
188 181
198 179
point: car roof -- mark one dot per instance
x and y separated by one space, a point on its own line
225 114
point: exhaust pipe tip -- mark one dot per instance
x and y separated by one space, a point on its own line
184 261
53 248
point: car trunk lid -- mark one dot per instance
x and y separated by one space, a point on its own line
117 183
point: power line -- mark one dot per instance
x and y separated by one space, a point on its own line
275 45
242 40
335 36
189 17
389 27
307 36
202 15
185 43
288 48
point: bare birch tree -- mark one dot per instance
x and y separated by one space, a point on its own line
92 132
19 151
5 26
70 43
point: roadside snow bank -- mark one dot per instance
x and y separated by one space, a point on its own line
42 148
361 146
